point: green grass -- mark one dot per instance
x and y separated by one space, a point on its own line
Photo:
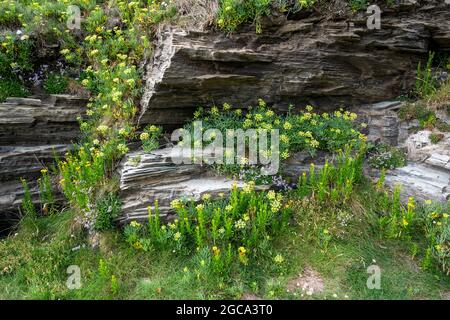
11 88
34 264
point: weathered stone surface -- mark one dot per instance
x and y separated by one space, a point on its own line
421 181
315 60
52 120
427 175
147 177
32 132
420 148
382 120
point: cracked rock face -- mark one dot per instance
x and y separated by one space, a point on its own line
322 62
427 175
149 177
32 133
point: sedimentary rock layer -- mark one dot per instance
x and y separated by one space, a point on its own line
32 133
325 62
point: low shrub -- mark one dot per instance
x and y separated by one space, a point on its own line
426 84
436 227
234 229
306 130
150 138
107 209
386 157
12 88
436 137
56 84
413 223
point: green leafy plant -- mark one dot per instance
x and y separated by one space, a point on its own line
357 5
56 84
386 157
233 229
425 82
46 193
305 130
12 88
107 208
435 217
436 137
27 203
150 138
233 13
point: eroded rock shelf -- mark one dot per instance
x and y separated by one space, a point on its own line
32 132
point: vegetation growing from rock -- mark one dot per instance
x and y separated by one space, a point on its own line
332 219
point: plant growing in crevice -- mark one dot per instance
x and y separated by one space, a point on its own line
150 138
383 156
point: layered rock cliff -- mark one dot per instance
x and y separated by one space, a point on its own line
318 60
32 133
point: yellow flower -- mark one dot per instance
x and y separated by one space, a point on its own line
248 187
137 245
275 206
226 107
287 126
102 129
314 143
271 195
144 136
177 236
214 111
135 224
240 224
258 117
122 148
284 138
238 112
244 160
44 171
216 250
247 123
206 197
242 251
270 113
405 222
279 259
